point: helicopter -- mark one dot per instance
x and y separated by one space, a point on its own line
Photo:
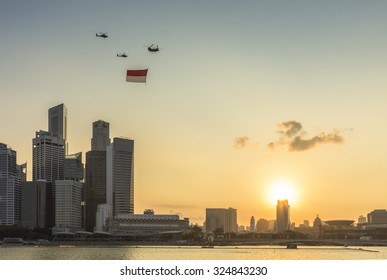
122 55
153 48
101 34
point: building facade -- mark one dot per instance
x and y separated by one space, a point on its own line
378 216
120 176
68 211
11 177
221 218
37 205
147 223
100 139
95 175
283 216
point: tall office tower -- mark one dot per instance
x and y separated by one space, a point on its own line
49 147
100 139
252 224
57 121
221 218
48 154
95 176
120 176
11 177
37 205
73 167
68 211
283 216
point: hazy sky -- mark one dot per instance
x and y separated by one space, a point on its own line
243 95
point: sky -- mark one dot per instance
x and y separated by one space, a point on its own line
244 96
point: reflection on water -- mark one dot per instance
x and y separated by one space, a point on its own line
191 253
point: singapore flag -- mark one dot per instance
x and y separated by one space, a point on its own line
136 76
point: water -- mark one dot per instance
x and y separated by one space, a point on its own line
191 253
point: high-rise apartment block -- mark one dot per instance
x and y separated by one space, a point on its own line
120 176
11 177
283 216
221 218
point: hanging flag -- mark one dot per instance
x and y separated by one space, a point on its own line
136 76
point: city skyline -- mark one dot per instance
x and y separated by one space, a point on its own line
241 97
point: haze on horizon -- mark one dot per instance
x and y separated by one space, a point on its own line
242 96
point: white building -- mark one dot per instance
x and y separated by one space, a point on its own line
147 223
68 211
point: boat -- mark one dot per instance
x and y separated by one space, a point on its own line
291 246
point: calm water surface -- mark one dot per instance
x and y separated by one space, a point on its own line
192 253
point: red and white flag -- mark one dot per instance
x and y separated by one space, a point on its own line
136 76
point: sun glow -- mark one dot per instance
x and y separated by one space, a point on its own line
281 190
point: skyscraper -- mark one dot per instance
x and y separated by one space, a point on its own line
57 121
100 139
49 147
95 176
11 177
73 167
37 204
120 176
283 215
48 153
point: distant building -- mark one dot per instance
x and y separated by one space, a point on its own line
37 204
68 211
221 218
95 176
120 176
361 220
283 216
100 139
48 153
262 225
11 177
147 223
306 223
49 147
73 167
57 121
103 213
378 216
317 222
252 224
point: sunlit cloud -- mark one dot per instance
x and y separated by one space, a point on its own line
295 139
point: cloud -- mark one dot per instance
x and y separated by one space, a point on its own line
295 139
241 142
244 142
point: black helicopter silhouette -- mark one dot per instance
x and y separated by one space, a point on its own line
122 55
101 34
153 48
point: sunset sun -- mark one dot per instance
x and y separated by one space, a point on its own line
281 190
